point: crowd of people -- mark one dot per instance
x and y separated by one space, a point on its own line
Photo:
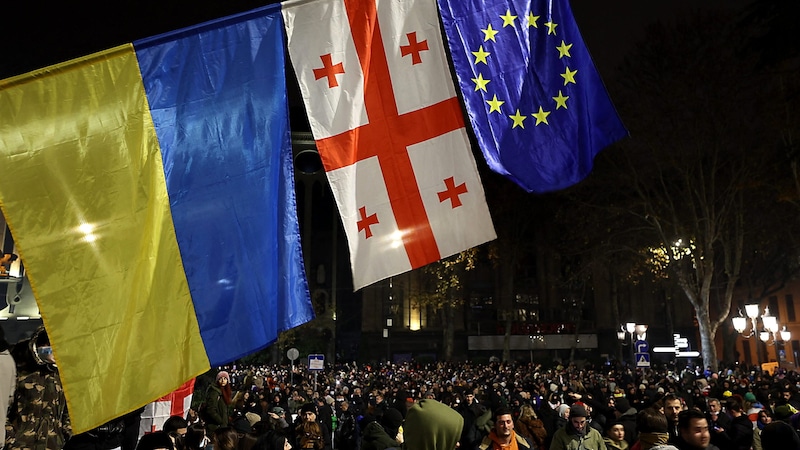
431 406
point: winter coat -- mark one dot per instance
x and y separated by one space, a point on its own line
216 410
374 437
38 417
567 439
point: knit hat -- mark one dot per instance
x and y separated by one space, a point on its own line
750 397
223 374
784 412
277 410
391 421
329 400
308 407
577 411
253 418
622 404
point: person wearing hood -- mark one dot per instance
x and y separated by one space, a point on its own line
38 416
577 434
8 382
431 425
503 435
384 434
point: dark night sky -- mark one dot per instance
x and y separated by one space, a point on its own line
37 34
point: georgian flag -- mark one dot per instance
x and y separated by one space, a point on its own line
389 130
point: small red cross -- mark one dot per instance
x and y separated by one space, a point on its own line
452 192
328 70
414 48
366 221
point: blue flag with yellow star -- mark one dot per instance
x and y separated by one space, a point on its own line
536 103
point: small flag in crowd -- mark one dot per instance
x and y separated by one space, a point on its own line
536 103
390 131
150 191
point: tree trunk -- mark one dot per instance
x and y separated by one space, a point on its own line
707 333
449 331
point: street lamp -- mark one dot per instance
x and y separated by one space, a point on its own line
771 328
637 331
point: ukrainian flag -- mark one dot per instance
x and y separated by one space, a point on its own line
150 192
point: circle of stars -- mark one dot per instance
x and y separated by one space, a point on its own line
482 55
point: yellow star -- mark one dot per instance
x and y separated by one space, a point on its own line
518 118
569 76
563 50
494 104
508 19
551 27
480 83
480 55
541 117
532 20
561 100
488 33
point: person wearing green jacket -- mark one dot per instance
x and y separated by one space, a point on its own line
577 434
219 396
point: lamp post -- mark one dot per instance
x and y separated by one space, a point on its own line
770 330
637 332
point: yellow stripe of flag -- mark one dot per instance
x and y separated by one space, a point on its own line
83 178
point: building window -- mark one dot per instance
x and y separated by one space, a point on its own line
796 351
790 317
773 307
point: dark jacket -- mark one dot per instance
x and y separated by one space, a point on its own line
215 413
374 437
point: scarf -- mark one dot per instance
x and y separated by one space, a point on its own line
498 445
650 440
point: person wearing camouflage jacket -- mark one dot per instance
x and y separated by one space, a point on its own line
38 417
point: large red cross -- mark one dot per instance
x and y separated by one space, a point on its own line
452 192
329 70
414 48
388 135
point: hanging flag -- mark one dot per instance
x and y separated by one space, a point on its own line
152 201
536 103
389 130
176 403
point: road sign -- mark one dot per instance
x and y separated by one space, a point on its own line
292 354
641 346
316 362
642 359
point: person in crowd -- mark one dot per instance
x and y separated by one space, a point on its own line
176 427
310 433
672 407
779 436
470 409
38 416
615 437
652 427
718 423
225 438
347 435
119 433
8 382
383 433
502 434
693 431
196 437
272 441
739 433
530 426
218 400
626 415
431 425
155 441
577 434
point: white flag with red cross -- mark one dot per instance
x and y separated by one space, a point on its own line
389 130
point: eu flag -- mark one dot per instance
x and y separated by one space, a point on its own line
537 105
